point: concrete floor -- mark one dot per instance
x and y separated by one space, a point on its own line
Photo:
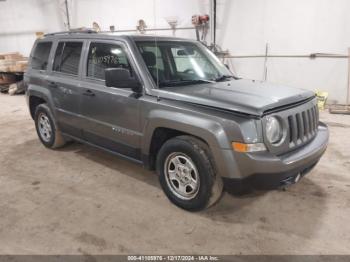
79 200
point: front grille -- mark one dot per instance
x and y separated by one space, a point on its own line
303 126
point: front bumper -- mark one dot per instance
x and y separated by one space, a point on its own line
264 170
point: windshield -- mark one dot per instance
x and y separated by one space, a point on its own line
173 63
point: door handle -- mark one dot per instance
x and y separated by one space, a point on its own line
88 93
52 84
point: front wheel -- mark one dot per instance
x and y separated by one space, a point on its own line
186 173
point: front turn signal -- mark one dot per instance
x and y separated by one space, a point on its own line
246 148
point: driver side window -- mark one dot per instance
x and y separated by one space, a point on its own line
104 55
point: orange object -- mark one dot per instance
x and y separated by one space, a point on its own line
245 148
239 147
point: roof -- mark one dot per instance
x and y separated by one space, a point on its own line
89 34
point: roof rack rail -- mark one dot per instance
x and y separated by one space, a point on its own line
87 31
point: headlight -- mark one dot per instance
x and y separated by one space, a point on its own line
273 130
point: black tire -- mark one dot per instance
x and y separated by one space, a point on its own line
55 139
210 184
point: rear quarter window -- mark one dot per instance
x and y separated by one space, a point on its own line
40 55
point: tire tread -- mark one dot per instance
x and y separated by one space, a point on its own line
200 148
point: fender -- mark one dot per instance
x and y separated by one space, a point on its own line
42 92
212 132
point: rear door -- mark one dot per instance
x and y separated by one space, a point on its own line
65 84
110 115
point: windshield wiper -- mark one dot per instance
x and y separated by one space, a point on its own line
200 81
222 78
184 82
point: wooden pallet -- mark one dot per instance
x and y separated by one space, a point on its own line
339 109
9 78
13 62
4 88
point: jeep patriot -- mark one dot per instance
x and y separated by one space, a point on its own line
171 105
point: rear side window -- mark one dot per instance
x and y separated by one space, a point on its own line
104 55
40 55
67 57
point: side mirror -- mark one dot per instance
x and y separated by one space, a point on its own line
185 52
121 78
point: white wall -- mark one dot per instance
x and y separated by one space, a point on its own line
290 27
124 14
19 20
244 27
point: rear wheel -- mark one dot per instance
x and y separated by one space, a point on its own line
46 127
186 173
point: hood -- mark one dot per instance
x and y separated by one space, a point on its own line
245 96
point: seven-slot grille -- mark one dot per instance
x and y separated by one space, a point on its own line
303 126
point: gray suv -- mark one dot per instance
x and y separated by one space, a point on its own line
172 106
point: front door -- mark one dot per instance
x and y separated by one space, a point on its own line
110 115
